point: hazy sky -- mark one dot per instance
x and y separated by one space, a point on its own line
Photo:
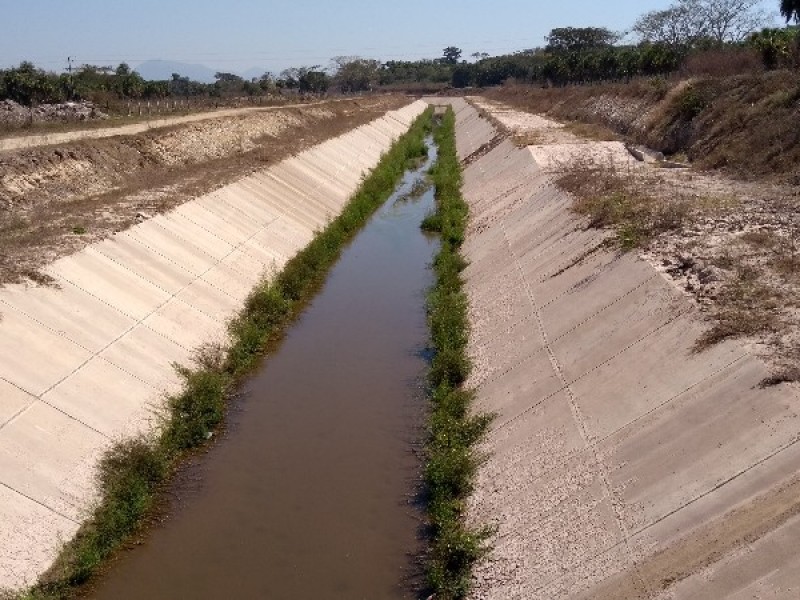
235 35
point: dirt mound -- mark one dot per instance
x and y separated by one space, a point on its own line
15 114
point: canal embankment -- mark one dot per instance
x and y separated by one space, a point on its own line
622 462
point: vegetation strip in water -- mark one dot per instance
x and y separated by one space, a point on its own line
133 471
455 430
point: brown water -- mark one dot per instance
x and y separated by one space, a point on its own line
310 491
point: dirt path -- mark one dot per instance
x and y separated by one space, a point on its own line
47 139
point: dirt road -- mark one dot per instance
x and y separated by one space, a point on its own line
48 139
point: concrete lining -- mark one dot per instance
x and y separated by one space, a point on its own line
89 361
619 456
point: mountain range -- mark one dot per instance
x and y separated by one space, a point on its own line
157 70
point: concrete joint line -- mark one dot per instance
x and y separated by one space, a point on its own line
643 529
234 248
562 239
69 416
513 367
39 399
672 398
40 503
602 310
623 427
293 211
603 470
24 408
641 339
318 204
723 483
568 264
138 322
170 232
200 276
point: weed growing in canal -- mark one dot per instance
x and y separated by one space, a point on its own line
132 472
455 430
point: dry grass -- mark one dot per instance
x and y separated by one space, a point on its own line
746 306
641 207
722 62
596 132
623 200
527 138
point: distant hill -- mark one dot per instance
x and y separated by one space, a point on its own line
163 69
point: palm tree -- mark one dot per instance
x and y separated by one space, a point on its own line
791 9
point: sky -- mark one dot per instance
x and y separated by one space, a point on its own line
236 35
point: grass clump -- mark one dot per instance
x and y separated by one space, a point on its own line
454 430
132 472
746 306
612 197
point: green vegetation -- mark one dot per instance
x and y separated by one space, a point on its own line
454 430
790 9
132 472
30 86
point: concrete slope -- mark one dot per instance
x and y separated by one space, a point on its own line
89 361
621 464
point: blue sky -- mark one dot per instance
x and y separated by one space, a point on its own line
235 35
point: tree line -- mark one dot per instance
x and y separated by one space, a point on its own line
665 40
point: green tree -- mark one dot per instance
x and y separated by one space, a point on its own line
355 74
451 54
791 10
227 78
462 76
576 39
28 85
314 82
128 83
775 45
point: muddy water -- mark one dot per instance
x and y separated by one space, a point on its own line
309 492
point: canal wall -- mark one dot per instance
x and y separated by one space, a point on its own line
88 360
621 464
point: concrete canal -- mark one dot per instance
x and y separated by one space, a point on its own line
310 491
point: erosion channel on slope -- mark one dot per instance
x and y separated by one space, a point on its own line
310 492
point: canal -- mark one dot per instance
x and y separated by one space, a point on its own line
310 491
